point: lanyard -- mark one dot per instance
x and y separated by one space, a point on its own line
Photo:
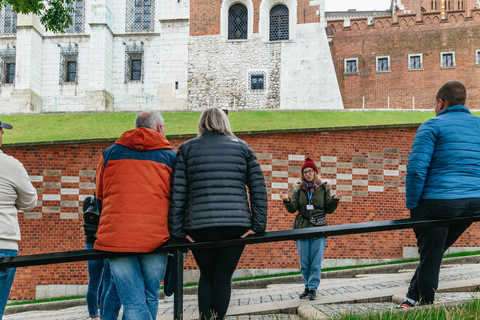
309 194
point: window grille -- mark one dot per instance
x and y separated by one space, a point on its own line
447 60
140 15
257 81
78 17
134 62
382 64
279 23
351 66
415 62
8 20
69 64
237 22
7 65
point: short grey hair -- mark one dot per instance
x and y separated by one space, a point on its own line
214 119
149 119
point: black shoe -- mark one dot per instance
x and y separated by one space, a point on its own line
304 294
406 304
312 294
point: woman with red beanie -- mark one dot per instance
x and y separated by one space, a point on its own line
312 199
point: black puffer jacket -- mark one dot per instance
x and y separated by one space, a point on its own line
210 176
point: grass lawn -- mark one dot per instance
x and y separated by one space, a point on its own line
467 311
77 126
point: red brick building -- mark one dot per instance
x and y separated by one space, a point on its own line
400 61
368 164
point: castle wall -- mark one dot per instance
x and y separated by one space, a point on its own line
367 164
398 37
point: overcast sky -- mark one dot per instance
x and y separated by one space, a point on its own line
344 5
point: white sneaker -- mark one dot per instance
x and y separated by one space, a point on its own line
168 298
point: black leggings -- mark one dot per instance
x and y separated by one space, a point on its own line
216 270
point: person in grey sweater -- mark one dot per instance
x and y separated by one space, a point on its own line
16 193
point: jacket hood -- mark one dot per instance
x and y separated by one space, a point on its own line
325 183
143 139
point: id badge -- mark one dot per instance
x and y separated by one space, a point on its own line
309 206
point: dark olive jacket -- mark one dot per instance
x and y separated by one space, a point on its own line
210 176
322 201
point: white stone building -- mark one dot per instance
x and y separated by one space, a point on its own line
139 54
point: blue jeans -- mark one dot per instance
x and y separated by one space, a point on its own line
138 283
6 280
95 270
112 302
310 252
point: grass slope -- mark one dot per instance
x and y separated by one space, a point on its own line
54 127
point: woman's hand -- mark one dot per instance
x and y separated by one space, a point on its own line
284 197
190 239
246 234
338 195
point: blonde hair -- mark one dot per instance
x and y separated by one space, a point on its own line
316 177
214 119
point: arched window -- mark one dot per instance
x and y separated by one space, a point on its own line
432 4
279 23
237 22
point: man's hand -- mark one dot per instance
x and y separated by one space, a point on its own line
190 239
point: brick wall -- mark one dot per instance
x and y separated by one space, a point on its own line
398 37
368 165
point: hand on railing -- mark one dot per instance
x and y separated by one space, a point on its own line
246 234
190 239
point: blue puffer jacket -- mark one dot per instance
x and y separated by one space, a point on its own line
445 158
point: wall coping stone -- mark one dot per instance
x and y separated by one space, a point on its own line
238 133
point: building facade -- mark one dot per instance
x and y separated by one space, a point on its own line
400 61
169 55
116 55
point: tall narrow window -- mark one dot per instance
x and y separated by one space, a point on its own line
140 15
8 20
432 4
68 64
10 73
279 23
136 71
134 62
7 65
78 16
237 22
477 53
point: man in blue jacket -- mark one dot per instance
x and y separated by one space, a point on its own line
442 182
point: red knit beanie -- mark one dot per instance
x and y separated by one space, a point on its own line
310 163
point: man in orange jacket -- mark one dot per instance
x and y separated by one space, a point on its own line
133 192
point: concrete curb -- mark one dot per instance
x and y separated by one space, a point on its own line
255 284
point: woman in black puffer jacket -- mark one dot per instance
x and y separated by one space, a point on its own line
209 203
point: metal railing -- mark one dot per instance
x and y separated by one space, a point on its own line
177 247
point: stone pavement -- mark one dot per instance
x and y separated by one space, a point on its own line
280 301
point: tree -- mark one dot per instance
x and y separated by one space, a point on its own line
55 15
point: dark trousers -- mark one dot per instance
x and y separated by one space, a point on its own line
216 270
433 242
169 278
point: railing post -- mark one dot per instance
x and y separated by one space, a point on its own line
178 297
